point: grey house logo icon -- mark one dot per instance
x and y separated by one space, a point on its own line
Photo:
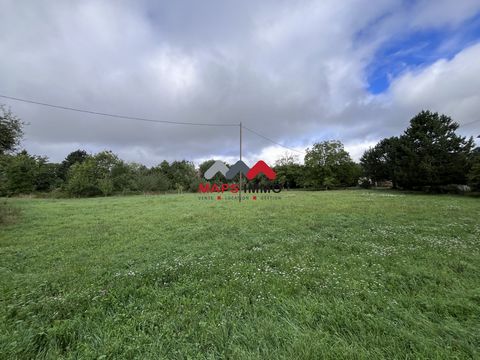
217 167
239 168
230 173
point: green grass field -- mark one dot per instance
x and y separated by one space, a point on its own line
340 274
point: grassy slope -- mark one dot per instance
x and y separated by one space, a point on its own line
330 274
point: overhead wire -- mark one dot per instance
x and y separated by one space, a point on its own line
137 118
272 141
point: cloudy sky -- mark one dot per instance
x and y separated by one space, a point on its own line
295 71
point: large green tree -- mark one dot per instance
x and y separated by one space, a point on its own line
102 173
328 164
431 153
379 163
290 173
83 179
77 156
180 174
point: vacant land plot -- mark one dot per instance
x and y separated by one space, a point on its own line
330 274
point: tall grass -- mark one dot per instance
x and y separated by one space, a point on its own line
341 274
8 214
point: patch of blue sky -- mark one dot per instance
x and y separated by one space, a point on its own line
418 49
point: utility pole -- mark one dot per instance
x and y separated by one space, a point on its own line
240 174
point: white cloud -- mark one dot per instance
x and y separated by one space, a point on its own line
442 81
447 86
293 71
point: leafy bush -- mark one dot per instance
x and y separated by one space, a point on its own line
152 182
83 180
194 185
474 177
106 186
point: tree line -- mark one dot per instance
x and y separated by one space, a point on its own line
428 154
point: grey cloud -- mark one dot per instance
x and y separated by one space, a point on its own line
292 71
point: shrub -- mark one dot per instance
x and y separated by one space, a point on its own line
82 179
152 182
474 176
106 186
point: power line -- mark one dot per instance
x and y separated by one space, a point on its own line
112 115
62 107
272 141
91 112
470 123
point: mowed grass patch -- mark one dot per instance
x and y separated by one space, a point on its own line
363 274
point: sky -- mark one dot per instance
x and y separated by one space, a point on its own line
297 72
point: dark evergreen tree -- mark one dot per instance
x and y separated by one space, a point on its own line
431 153
474 174
379 163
